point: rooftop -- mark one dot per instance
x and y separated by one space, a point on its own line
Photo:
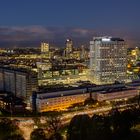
107 39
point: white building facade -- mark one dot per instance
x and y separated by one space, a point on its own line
108 60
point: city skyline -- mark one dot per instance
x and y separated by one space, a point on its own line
69 69
23 22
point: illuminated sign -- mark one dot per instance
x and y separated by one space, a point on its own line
105 39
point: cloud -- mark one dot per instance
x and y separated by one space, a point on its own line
57 35
24 33
82 32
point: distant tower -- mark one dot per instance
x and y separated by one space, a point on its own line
44 47
69 48
108 60
82 52
137 53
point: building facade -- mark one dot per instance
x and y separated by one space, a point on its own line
117 95
69 48
58 100
108 60
43 101
18 82
44 47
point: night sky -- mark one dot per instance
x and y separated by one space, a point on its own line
32 21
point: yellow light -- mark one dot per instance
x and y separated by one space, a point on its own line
128 66
133 52
136 70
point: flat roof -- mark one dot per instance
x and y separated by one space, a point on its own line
107 39
23 70
113 90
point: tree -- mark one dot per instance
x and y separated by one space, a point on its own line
115 125
14 137
38 134
37 121
90 101
56 136
101 127
54 122
8 126
122 122
115 120
79 128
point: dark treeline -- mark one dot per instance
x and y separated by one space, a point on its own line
117 125
9 130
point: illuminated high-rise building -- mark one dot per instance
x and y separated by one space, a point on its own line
108 60
69 48
83 52
44 47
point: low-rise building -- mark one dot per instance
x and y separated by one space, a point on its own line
115 94
62 99
58 100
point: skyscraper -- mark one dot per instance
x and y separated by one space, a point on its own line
107 60
44 47
69 48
